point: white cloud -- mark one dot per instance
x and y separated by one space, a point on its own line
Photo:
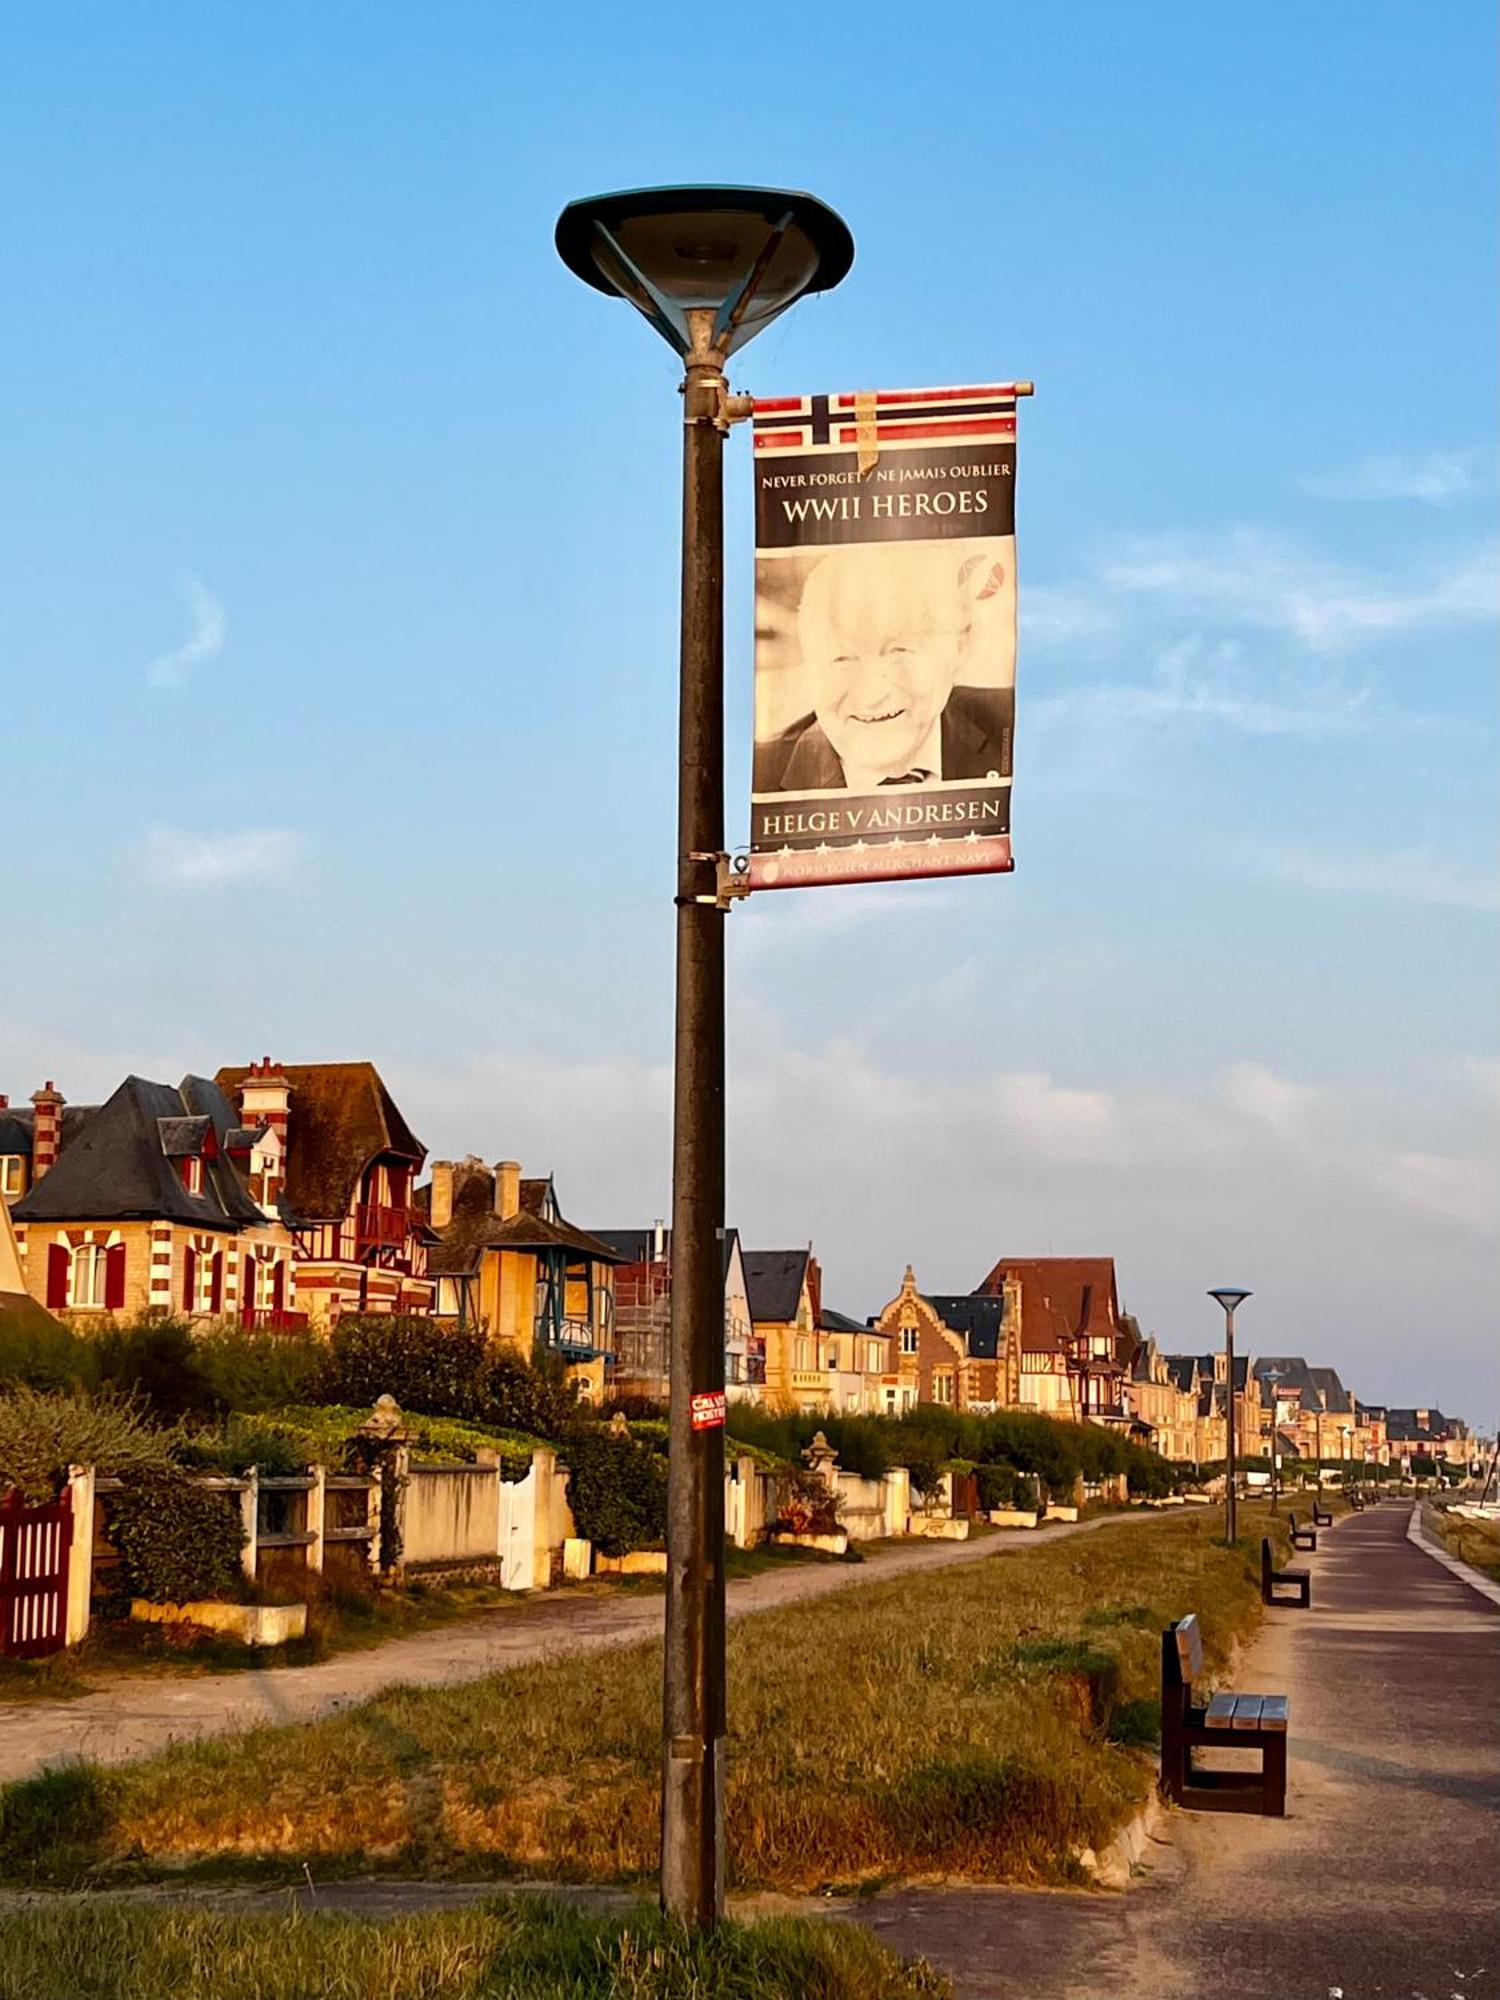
1410 875
1432 476
210 627
1197 683
1267 583
1288 1109
179 859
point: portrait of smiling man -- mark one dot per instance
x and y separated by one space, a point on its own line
886 633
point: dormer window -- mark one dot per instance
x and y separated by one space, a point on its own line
12 1174
192 1173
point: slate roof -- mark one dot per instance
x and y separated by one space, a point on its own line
116 1170
837 1322
1407 1427
475 1228
773 1283
631 1246
978 1316
1182 1369
16 1126
1336 1398
1060 1297
341 1118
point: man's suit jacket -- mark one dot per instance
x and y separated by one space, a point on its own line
976 738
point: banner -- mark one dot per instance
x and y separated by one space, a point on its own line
885 642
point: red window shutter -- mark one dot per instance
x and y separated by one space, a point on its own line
189 1278
114 1277
216 1282
58 1261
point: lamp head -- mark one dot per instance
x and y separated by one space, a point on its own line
1229 1297
708 266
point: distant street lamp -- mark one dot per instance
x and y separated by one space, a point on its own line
1228 1297
709 267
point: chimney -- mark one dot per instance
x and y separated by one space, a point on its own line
265 1097
442 1194
4 1101
46 1129
658 1241
507 1189
814 1288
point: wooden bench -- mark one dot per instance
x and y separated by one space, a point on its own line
1228 1722
1357 1500
1302 1538
1299 1580
1321 1518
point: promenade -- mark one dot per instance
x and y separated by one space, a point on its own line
1383 1882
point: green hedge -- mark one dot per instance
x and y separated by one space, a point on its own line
176 1540
618 1491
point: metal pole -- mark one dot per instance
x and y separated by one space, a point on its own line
1230 1523
692 1838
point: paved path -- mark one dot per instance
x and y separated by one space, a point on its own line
131 1715
1381 1884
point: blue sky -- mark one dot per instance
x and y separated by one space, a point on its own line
337 627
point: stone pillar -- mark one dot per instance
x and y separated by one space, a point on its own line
81 1555
250 1521
317 1516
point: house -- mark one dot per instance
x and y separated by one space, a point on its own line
1314 1410
1167 1402
1208 1375
1427 1433
158 1201
960 1349
20 1313
505 1257
342 1162
1076 1350
643 1316
857 1360
784 1290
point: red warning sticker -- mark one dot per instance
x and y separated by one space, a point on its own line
709 1411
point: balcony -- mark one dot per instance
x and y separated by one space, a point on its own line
272 1319
381 1228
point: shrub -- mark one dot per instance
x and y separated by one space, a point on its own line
1003 1486
804 1505
42 1434
516 1397
176 1540
157 1360
618 1491
429 1365
39 1353
260 1371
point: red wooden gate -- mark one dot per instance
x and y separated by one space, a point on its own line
34 1546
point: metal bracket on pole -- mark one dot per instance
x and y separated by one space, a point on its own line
731 879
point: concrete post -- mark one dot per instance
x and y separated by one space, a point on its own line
317 1514
250 1521
81 1555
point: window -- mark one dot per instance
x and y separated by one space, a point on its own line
192 1174
88 1275
804 1354
876 1360
10 1174
911 1340
942 1386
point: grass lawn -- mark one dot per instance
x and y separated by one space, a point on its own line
1476 1543
983 1721
526 1948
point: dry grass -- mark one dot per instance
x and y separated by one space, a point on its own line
526 1949
978 1722
1476 1543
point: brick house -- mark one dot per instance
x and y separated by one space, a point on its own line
960 1349
342 1163
156 1199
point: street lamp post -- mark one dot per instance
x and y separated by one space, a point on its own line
1228 1297
709 268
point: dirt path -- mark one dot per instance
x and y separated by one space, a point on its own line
1381 1883
133 1715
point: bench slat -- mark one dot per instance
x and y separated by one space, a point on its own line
1247 1708
1220 1712
1275 1712
1190 1648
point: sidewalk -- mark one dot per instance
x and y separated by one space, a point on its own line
1381 1884
133 1715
